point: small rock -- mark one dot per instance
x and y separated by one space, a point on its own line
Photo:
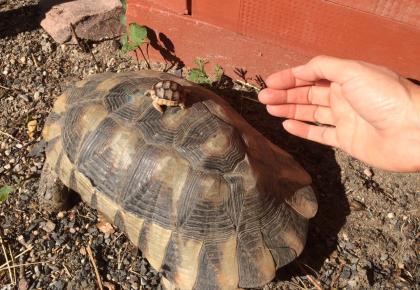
368 172
36 96
19 146
384 256
23 97
82 251
390 215
105 227
143 281
17 168
7 166
22 60
346 274
49 226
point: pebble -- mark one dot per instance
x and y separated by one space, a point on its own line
49 226
390 215
7 166
22 60
368 172
23 97
384 256
17 168
36 96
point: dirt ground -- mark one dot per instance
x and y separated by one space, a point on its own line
365 235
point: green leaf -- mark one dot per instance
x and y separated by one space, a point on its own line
198 76
218 73
4 192
124 39
123 19
138 34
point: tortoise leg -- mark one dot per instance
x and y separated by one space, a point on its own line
53 195
157 106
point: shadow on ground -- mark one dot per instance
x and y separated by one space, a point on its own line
320 163
25 18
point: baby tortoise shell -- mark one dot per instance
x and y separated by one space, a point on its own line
209 201
167 93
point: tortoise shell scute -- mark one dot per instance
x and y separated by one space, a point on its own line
168 90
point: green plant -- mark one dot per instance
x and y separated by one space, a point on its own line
4 192
135 36
199 75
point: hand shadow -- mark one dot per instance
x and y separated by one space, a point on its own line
319 161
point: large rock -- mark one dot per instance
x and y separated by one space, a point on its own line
91 19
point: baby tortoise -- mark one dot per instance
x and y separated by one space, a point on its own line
167 93
209 201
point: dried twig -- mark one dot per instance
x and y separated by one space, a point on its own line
248 85
34 60
309 276
92 260
7 260
13 262
145 59
6 88
83 46
67 271
10 136
25 264
17 256
250 99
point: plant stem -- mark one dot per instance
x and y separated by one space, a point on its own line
137 58
147 62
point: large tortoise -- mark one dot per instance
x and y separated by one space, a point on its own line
209 201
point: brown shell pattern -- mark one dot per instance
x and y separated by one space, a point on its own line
168 90
210 202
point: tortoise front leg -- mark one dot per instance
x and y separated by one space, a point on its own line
53 195
157 106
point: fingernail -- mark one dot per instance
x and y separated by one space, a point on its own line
298 68
286 125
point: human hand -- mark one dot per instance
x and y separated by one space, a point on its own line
373 113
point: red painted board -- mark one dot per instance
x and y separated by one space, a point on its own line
265 36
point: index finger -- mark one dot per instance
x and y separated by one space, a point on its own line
285 79
328 68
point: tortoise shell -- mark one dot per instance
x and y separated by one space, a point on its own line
168 90
209 201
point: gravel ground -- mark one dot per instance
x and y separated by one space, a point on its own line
365 235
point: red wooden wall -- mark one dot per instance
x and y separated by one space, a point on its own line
263 36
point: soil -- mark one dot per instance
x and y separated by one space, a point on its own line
365 235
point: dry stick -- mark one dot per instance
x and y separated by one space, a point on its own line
10 136
35 62
67 271
7 260
13 262
309 276
73 31
26 264
137 58
92 260
246 84
20 254
6 88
